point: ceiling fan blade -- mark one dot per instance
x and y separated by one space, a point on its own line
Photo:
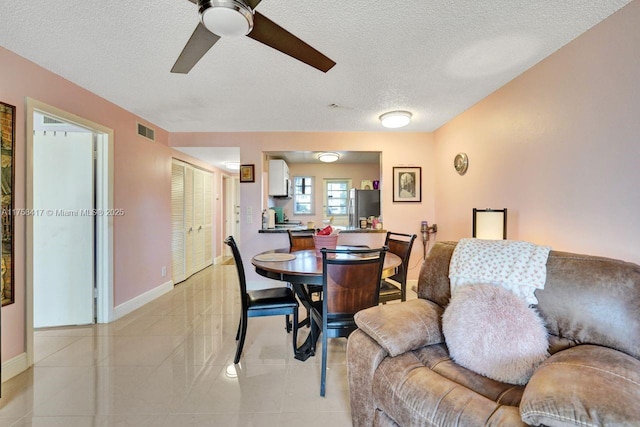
199 43
268 32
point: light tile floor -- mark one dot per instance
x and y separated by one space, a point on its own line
170 363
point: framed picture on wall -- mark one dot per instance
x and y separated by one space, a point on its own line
366 184
407 184
247 173
7 135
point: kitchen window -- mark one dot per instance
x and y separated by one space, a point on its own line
336 197
303 195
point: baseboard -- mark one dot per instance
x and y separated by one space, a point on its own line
137 302
15 366
217 260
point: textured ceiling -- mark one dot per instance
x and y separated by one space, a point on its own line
435 58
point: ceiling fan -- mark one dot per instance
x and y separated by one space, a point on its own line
220 18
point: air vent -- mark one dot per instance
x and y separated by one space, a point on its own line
146 132
51 121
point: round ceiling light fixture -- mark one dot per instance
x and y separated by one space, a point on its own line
234 166
328 157
226 17
395 119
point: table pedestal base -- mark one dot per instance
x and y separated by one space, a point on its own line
306 350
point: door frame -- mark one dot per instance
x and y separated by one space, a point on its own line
104 224
231 215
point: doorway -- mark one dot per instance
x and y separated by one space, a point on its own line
231 209
70 182
63 223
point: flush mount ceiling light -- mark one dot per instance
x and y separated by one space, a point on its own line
328 157
395 119
232 165
226 17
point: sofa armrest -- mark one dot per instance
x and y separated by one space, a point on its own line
586 385
402 327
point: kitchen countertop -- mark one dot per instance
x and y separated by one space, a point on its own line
348 230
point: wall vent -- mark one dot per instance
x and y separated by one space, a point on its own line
146 132
51 121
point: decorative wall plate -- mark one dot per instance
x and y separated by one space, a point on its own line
461 163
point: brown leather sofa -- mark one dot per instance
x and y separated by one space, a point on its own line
400 372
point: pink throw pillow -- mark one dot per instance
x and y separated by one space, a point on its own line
491 331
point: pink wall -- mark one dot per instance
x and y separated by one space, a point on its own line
398 149
558 146
140 236
141 187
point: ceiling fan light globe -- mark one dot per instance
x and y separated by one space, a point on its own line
226 18
395 119
328 157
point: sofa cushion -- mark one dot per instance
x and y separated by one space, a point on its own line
414 395
436 357
398 328
592 300
586 385
491 331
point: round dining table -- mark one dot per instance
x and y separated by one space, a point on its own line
301 268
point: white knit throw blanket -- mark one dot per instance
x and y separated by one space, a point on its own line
520 267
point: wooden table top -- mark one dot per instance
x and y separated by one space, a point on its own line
306 267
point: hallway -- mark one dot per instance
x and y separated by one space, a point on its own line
170 363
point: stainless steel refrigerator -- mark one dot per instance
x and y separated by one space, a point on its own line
363 204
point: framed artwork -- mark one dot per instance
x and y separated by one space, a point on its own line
247 173
366 184
7 140
407 184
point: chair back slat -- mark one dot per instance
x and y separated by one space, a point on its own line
351 279
240 267
400 245
300 240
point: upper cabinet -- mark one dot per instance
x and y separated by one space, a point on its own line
279 179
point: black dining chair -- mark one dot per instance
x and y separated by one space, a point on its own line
300 240
263 302
350 283
395 287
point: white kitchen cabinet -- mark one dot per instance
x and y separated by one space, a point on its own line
279 179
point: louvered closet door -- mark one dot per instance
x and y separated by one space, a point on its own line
207 224
191 220
177 223
198 219
202 219
188 221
